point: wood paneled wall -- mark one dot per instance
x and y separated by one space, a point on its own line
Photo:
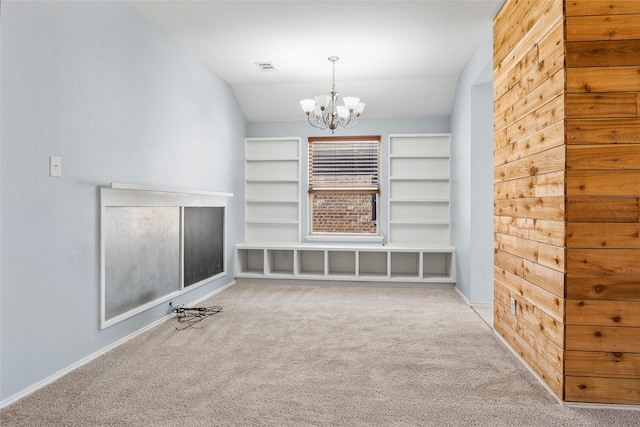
567 193
529 204
602 111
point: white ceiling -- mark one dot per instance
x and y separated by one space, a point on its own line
402 58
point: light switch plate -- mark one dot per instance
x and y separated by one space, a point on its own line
55 166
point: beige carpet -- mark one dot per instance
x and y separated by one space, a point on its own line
287 355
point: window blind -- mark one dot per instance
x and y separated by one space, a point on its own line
344 165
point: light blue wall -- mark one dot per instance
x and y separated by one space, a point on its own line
472 175
382 127
93 83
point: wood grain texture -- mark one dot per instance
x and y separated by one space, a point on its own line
536 23
545 139
545 278
529 204
540 119
603 235
602 209
603 183
603 79
550 232
603 313
603 262
602 390
551 256
613 53
551 208
586 157
507 22
543 346
603 339
545 185
528 22
551 160
603 27
600 364
598 106
544 300
553 378
604 288
567 193
601 7
612 131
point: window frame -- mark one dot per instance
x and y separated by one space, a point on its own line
374 190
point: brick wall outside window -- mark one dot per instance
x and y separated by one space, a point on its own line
342 213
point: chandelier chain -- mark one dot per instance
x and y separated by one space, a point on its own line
333 87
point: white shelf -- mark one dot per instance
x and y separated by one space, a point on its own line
279 159
419 222
274 180
279 201
419 185
391 263
272 196
271 221
420 178
419 201
417 156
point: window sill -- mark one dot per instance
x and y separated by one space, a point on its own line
344 238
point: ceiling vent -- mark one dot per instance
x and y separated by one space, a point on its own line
265 66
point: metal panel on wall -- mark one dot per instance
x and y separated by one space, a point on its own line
142 256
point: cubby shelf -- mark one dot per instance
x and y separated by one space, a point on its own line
427 264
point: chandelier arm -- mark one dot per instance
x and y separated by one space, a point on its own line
353 120
319 125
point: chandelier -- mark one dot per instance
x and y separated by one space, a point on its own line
326 111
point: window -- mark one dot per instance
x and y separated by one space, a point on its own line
344 185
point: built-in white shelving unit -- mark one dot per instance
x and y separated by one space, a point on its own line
389 263
419 175
272 190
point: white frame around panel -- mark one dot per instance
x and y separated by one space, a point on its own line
126 195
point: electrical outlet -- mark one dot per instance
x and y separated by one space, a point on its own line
513 305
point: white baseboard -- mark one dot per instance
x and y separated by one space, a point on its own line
473 304
61 373
601 406
465 299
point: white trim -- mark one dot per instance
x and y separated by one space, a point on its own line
345 238
61 373
464 298
482 305
601 406
122 186
479 305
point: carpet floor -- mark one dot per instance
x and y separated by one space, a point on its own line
297 355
